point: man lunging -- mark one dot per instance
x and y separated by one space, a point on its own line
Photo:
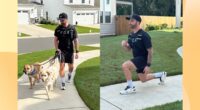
65 41
139 42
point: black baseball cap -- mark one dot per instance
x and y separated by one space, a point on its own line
63 16
134 16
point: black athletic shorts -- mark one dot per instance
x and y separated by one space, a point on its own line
66 57
140 63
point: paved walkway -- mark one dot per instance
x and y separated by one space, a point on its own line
180 51
148 94
34 30
36 99
38 32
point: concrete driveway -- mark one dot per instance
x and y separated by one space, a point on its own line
34 30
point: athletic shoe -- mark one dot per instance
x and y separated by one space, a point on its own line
163 77
62 86
128 90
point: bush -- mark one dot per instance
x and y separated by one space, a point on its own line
163 26
156 27
44 21
152 27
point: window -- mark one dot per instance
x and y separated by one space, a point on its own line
87 14
107 17
70 1
78 14
83 1
101 17
19 11
82 13
107 2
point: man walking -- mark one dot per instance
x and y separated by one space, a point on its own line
65 41
139 42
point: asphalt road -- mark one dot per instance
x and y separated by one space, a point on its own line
27 45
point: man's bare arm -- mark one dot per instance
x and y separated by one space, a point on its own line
76 44
150 54
56 42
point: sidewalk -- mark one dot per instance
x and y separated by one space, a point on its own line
36 99
38 32
34 30
148 94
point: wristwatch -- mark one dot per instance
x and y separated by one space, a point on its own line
77 51
148 64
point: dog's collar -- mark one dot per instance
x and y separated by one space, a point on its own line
32 72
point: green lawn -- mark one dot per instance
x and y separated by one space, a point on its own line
165 57
169 106
40 56
80 29
87 82
22 35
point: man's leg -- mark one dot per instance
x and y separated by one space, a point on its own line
127 67
146 77
70 69
62 75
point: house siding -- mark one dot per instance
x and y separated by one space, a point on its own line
108 28
55 7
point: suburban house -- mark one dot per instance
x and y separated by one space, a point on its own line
108 10
83 12
30 11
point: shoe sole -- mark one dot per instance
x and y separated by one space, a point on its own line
128 93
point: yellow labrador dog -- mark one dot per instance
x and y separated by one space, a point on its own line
49 78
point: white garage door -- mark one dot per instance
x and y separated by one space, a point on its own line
84 18
23 17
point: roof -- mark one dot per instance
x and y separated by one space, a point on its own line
28 2
82 7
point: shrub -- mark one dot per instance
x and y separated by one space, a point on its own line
44 21
152 27
163 26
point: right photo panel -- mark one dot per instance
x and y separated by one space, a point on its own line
141 54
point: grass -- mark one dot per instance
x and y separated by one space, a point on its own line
165 57
169 106
80 29
40 56
22 35
87 82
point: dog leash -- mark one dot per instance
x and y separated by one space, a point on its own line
57 54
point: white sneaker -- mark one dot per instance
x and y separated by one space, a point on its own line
163 78
62 86
128 90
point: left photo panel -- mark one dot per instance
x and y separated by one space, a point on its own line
58 54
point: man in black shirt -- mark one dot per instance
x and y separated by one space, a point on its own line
139 42
65 40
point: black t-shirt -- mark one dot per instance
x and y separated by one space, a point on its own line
139 42
66 36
